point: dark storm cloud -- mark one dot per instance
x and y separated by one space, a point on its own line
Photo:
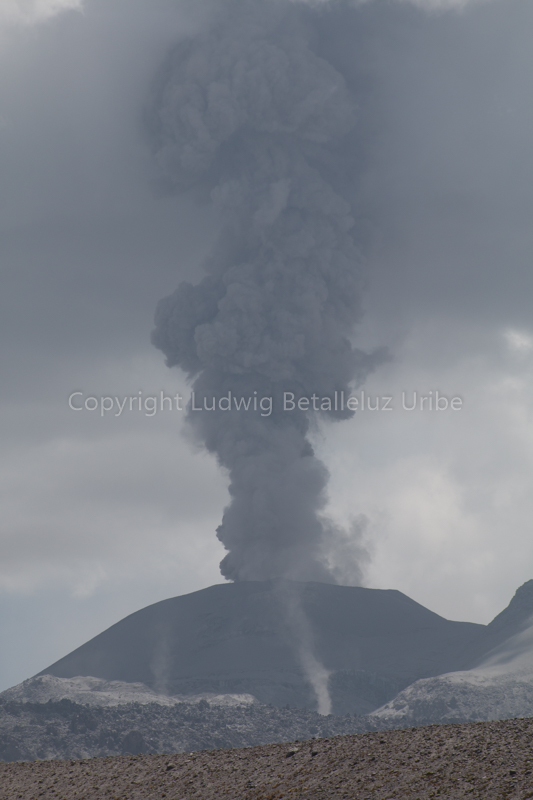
86 244
448 188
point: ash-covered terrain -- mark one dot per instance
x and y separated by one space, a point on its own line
224 654
67 730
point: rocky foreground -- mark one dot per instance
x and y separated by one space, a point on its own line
489 760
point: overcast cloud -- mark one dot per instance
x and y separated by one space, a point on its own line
29 12
102 516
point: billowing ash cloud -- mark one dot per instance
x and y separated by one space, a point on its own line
250 117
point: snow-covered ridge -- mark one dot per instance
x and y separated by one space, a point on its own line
97 692
501 687
460 697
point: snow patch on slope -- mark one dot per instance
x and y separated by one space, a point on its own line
98 692
501 687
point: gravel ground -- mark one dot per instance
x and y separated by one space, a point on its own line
490 760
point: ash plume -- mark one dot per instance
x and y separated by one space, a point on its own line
248 117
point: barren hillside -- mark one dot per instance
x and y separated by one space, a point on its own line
489 760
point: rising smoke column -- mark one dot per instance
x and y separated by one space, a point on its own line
248 116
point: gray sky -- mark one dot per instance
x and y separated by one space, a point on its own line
102 516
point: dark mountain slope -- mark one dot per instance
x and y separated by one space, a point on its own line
247 637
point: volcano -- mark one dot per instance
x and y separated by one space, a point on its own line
235 638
